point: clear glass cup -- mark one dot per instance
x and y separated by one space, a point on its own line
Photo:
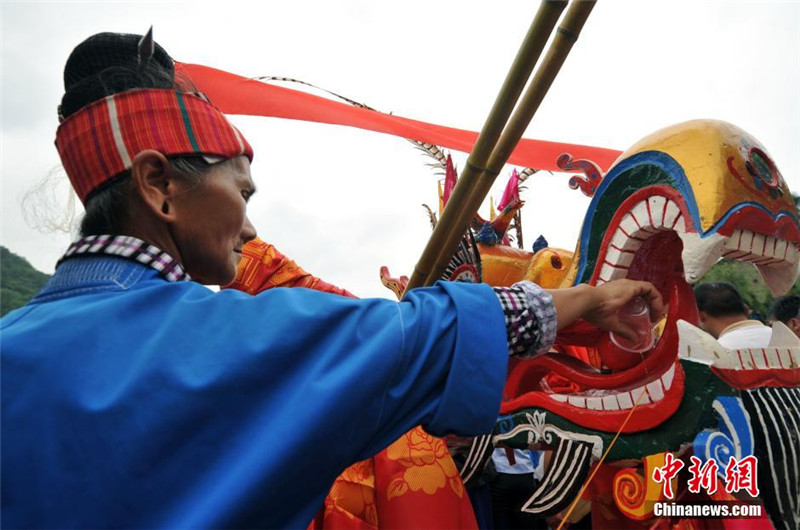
636 314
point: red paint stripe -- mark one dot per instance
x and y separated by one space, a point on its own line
752 357
738 253
664 212
780 361
766 361
616 266
615 247
630 236
649 214
675 222
741 361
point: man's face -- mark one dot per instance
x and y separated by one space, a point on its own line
703 323
792 323
212 224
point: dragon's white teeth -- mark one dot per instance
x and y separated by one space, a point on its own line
577 401
610 403
610 272
640 396
625 400
629 225
700 253
781 249
655 390
770 246
699 346
668 376
672 215
779 277
783 337
777 260
642 217
619 257
657 208
621 241
594 403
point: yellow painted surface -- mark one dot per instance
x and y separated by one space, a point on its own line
703 148
503 266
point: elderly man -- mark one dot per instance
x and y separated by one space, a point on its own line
724 315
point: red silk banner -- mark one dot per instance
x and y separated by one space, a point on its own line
234 94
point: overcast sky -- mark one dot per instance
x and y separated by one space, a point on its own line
343 202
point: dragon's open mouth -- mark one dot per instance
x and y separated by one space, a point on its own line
651 237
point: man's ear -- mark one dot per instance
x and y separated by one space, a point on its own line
153 180
794 325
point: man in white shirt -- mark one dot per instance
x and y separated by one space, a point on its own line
723 314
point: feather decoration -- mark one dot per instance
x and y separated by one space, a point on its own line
431 216
292 80
433 151
525 173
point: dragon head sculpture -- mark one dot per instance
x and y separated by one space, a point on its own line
668 209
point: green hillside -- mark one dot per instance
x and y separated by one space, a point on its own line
19 281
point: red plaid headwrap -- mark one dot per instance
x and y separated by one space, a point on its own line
99 141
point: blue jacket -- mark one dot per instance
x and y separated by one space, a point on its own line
130 401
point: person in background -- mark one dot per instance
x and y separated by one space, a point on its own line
517 474
725 316
787 310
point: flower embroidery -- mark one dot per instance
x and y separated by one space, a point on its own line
353 494
428 465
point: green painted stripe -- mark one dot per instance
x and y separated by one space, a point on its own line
187 123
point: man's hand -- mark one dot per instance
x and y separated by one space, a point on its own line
600 306
611 297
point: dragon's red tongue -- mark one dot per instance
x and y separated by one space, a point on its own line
681 306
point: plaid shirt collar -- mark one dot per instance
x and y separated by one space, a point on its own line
129 248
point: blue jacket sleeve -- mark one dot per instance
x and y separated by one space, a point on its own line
438 358
171 406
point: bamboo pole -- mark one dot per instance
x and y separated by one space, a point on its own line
531 48
565 37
